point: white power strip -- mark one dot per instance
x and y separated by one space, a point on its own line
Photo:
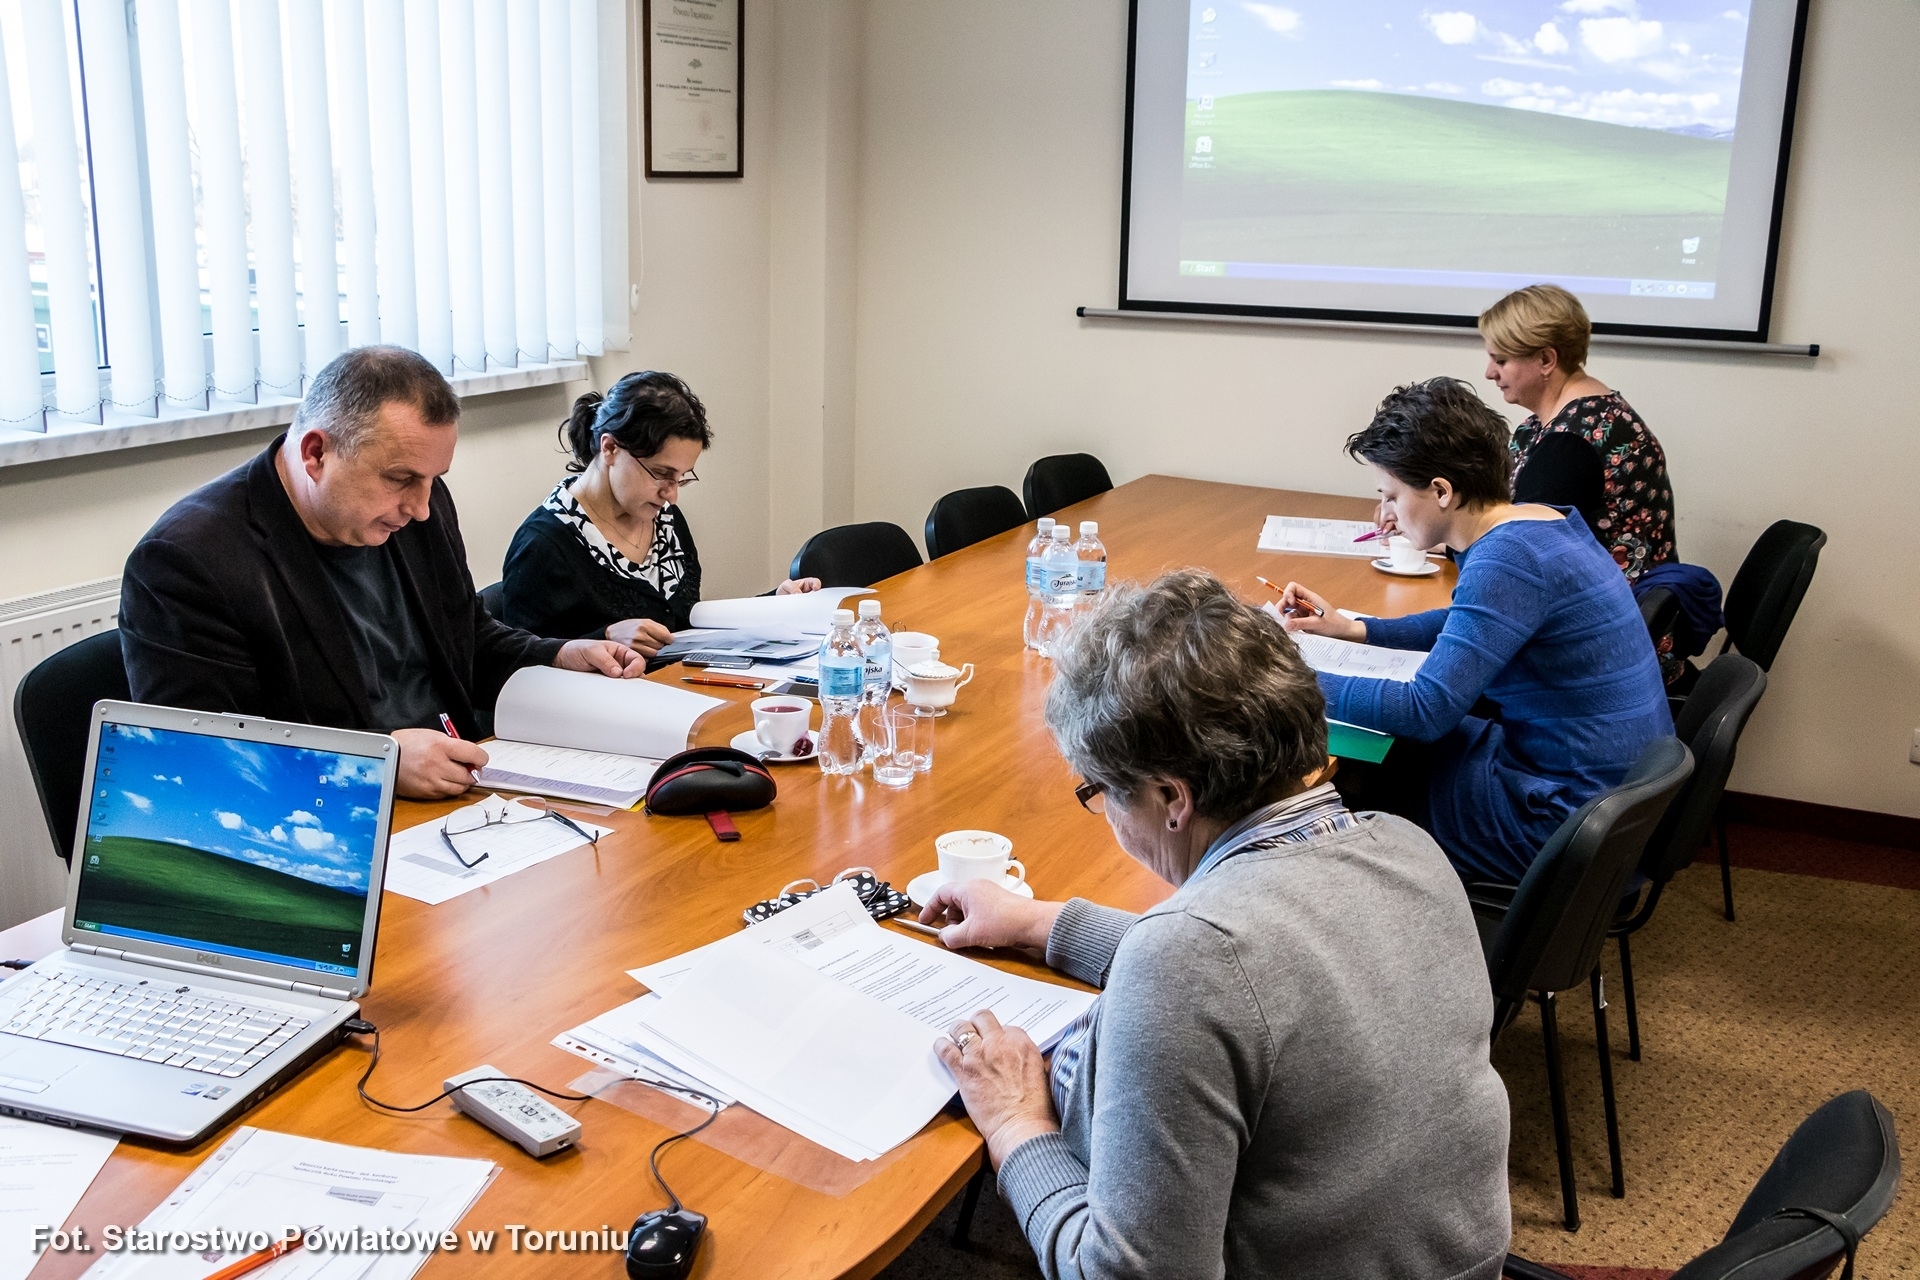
514 1112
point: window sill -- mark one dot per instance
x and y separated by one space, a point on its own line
130 431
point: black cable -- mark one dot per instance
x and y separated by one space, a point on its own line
361 1027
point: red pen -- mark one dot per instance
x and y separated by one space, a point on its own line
446 726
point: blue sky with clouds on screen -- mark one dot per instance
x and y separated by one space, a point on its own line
312 814
1661 64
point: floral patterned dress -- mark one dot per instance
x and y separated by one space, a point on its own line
1635 516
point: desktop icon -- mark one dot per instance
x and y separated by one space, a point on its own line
1203 145
1690 245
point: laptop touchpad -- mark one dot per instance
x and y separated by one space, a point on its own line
30 1068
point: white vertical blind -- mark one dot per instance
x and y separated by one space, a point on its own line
313 165
353 154
63 218
496 181
20 394
270 197
176 271
448 175
121 213
460 113
428 142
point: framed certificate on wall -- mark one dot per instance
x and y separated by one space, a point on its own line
693 82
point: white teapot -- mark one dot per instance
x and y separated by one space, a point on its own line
934 684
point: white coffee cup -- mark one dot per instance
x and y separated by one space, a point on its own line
1404 556
976 855
934 684
780 722
910 649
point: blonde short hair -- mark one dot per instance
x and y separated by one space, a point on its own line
1530 320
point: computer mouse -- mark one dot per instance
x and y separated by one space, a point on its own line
661 1244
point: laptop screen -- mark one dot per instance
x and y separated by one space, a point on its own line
248 849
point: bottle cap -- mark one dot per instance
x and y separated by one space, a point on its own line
1046 525
1061 533
843 617
869 608
1089 528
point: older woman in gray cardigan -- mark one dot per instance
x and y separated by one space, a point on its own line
1286 1071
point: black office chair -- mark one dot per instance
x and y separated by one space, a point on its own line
967 516
855 555
494 600
1659 609
1544 935
1710 724
53 709
1062 480
1832 1181
1767 591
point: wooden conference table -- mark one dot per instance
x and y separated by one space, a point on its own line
492 976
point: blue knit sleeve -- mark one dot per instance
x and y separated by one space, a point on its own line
1415 631
1501 601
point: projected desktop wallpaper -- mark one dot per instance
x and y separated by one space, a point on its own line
1585 138
258 850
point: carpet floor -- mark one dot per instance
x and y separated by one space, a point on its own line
1746 1028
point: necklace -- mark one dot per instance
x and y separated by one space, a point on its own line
611 531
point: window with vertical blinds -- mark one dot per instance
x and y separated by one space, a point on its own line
217 197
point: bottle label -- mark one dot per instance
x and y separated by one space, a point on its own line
1036 576
841 675
879 665
1062 579
1093 575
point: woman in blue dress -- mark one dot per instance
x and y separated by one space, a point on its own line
1540 687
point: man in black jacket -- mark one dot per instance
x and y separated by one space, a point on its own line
325 582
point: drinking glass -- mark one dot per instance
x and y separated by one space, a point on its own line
898 755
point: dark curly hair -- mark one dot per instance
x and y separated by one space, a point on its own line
641 412
1439 429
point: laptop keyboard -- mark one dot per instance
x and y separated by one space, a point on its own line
174 1026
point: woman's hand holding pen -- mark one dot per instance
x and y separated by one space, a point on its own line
1304 610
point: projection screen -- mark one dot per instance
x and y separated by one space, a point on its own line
1398 161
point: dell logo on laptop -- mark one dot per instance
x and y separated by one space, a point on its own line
205 957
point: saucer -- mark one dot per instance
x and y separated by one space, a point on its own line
1426 570
921 887
750 743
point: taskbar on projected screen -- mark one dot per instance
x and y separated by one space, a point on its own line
239 953
1501 280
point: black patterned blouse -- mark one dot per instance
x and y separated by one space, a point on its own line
1598 456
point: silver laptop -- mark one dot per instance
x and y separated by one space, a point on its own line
220 921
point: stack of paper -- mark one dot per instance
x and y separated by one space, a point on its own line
809 612
512 835
44 1170
825 1022
1368 661
1321 537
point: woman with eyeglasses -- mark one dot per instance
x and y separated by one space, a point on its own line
1286 1071
608 554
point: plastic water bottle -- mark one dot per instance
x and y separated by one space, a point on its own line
1030 630
876 652
1092 555
1059 587
842 684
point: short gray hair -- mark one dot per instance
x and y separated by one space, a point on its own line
1180 679
345 397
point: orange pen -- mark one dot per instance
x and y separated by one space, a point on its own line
254 1261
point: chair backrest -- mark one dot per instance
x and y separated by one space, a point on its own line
53 709
1062 480
855 555
1552 933
1659 608
1710 723
1843 1159
1767 591
494 600
967 516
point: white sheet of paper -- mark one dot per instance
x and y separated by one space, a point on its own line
1320 537
1367 661
44 1170
611 1041
809 612
556 708
594 776
259 1180
419 866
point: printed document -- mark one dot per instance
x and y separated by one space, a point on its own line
597 777
1320 537
809 612
264 1181
511 834
1367 661
611 1041
44 1170
554 708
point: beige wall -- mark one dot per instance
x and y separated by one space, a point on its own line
989 208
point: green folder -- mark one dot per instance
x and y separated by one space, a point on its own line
1351 742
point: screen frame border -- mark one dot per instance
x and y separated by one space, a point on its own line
1450 320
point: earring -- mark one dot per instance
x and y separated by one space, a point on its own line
1173 824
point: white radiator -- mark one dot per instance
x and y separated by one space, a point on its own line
33 879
